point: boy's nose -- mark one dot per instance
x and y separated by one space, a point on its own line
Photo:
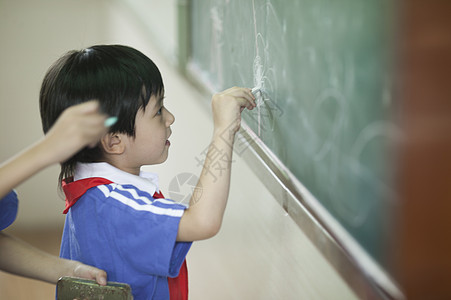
170 119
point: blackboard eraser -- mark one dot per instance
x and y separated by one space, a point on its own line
69 288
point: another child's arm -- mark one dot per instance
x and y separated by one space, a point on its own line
22 259
78 126
203 218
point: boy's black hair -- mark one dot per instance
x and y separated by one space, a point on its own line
121 78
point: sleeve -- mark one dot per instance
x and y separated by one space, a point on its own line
8 209
145 231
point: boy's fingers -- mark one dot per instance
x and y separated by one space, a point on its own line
246 93
249 101
242 96
250 97
251 94
242 101
247 105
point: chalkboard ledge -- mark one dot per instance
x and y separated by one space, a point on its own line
362 273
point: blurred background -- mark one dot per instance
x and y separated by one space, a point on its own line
260 252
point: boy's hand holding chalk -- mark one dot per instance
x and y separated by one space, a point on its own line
203 218
255 91
227 107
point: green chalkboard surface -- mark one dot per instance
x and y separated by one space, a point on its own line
324 68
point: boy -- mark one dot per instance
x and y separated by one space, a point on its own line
116 217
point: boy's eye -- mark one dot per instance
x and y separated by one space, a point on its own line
159 111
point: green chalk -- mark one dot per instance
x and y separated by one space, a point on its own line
110 121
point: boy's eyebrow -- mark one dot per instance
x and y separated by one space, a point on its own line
160 101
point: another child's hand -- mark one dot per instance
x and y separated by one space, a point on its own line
228 105
87 272
78 126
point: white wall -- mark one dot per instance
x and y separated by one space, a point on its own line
34 34
259 254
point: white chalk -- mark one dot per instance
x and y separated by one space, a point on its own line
255 90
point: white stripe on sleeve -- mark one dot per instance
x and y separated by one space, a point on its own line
148 206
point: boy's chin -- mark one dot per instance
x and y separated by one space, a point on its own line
160 161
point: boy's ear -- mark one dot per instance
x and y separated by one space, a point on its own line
112 143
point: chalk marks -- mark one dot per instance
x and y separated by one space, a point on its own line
269 44
258 83
217 38
325 96
328 123
370 177
332 104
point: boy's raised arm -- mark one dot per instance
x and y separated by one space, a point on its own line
203 218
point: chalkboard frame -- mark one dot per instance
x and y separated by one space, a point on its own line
362 273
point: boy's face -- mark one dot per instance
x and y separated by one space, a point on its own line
151 142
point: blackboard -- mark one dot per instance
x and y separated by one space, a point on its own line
325 71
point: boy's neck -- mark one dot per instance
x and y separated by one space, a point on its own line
119 164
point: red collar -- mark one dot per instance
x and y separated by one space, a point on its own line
75 189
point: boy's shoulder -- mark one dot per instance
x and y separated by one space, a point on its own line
128 197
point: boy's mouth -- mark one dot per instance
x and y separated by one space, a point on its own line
168 143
